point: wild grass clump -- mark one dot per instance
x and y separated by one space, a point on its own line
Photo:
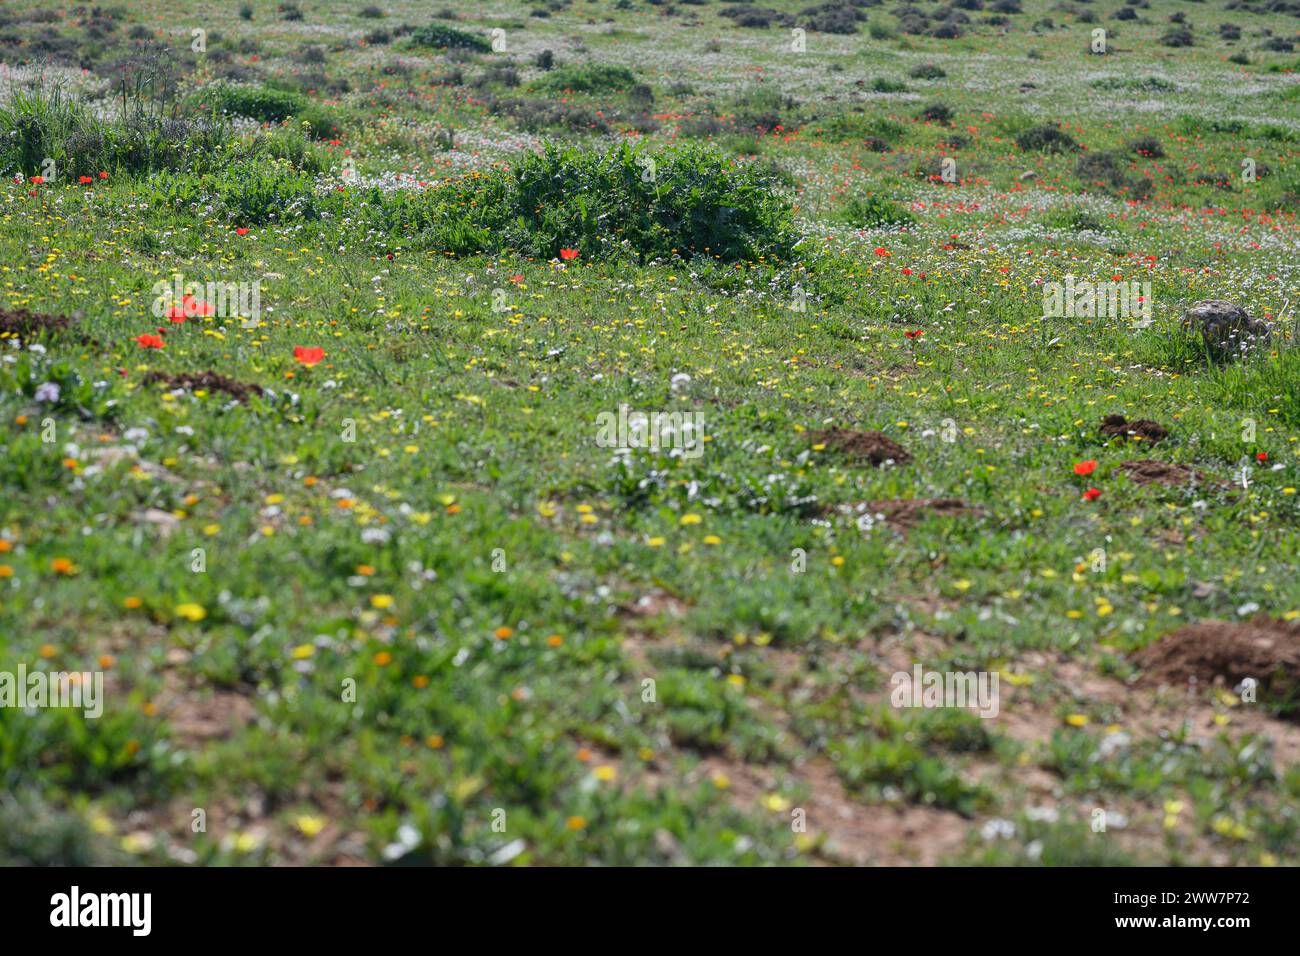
442 37
40 126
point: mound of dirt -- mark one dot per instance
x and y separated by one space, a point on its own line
1225 653
905 512
1141 430
1149 472
208 381
23 322
874 447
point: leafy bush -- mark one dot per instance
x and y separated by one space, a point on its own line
589 78
927 71
34 832
833 17
1074 219
937 113
271 105
442 37
1147 146
264 103
1047 139
692 201
868 212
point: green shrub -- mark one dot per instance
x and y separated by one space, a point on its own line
868 212
589 78
927 71
264 103
692 201
271 105
1047 138
442 37
34 832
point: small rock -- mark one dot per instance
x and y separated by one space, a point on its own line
1028 175
1225 327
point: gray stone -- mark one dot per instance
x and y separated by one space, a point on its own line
1226 328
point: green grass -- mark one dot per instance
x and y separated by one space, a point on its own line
432 604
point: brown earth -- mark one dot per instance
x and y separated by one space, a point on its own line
1148 472
21 322
874 447
1113 426
905 512
209 381
1224 653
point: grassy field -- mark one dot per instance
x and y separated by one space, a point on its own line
363 578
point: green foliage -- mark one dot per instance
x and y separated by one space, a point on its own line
40 123
250 191
868 212
271 105
587 78
694 201
689 201
442 37
35 833
1047 138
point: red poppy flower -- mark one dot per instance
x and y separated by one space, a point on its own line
1085 467
882 251
915 334
38 179
148 341
103 175
907 271
84 179
1092 494
568 253
308 356
189 308
241 230
1262 456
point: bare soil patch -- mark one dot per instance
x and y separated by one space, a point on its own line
207 381
1117 426
23 322
1225 653
1150 472
905 512
874 447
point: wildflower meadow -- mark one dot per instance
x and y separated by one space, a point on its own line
650 432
